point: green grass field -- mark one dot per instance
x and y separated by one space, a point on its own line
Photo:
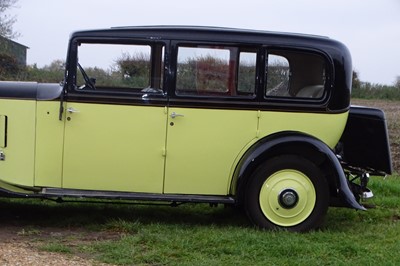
196 234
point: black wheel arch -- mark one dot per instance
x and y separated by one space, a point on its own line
295 143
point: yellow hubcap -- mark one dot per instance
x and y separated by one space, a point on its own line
287 197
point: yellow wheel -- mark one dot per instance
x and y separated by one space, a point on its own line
287 197
287 192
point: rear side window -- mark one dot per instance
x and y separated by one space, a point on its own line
295 74
215 71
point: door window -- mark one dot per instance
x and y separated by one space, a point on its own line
295 74
120 67
215 71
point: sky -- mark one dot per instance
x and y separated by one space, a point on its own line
370 29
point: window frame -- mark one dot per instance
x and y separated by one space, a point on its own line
329 77
175 45
72 72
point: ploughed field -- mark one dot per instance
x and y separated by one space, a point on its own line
392 111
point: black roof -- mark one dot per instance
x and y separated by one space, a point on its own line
206 33
210 29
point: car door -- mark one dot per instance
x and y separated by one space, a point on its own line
212 117
115 126
114 147
202 147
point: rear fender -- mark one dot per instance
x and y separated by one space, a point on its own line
365 141
299 144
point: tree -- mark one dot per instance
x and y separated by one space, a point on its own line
8 66
356 80
134 69
397 82
7 21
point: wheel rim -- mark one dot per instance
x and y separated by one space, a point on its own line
287 197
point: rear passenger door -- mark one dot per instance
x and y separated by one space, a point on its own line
212 116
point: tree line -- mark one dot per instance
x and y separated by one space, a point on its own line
368 90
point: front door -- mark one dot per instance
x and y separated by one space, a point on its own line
114 147
115 117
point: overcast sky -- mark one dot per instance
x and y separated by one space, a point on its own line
370 29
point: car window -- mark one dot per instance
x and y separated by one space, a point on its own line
246 72
216 71
125 67
278 71
295 74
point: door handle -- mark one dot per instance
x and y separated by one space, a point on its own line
72 110
173 115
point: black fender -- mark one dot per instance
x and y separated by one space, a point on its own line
30 90
293 143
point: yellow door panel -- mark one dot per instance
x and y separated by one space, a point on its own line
326 127
18 164
202 146
49 144
114 147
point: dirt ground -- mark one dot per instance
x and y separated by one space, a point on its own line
19 246
29 230
23 253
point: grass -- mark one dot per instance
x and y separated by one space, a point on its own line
56 247
347 237
196 234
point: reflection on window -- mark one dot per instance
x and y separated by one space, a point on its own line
247 72
223 71
202 70
278 71
120 66
295 74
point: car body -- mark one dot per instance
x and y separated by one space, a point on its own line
257 119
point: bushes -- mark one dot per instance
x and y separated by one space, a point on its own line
368 90
8 66
10 70
45 75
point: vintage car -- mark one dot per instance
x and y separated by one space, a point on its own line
255 119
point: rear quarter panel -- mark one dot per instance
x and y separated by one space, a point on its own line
326 127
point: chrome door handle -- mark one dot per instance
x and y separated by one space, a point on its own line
173 115
72 110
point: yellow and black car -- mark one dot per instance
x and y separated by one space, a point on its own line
256 119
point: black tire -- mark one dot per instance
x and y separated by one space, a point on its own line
287 192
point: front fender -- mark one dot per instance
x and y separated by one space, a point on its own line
292 143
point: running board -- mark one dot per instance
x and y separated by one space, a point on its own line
57 192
